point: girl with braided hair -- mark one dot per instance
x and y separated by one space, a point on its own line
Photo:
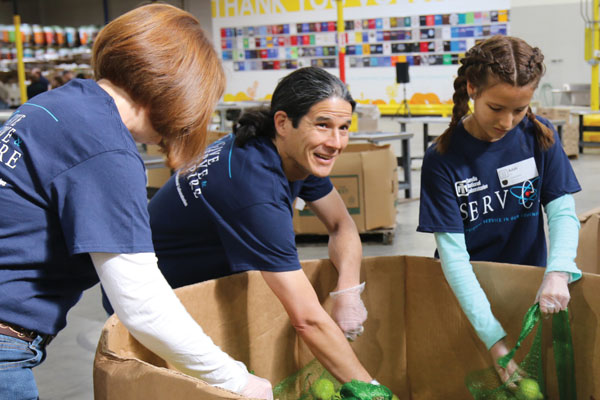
484 182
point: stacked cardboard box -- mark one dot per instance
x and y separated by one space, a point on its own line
570 131
368 117
366 176
417 341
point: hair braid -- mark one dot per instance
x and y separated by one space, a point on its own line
499 59
543 134
459 110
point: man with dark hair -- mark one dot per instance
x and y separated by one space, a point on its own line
67 75
39 84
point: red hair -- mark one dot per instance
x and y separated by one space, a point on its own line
162 58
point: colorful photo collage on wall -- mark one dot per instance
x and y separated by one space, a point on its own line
375 42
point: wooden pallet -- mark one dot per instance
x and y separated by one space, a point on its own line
384 236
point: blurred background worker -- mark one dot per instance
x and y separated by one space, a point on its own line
39 84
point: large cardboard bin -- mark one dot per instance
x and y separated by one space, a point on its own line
588 250
366 176
417 340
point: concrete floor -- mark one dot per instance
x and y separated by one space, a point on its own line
67 372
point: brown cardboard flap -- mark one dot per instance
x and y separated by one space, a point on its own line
585 216
588 248
417 340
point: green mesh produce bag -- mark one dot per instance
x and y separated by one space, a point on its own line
313 382
529 383
297 386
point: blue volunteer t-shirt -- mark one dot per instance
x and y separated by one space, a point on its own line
71 182
231 213
493 193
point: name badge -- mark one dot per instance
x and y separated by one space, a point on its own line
517 173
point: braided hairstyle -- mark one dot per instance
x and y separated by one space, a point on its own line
498 59
295 94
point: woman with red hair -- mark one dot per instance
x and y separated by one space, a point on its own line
73 189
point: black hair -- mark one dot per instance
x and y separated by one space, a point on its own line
295 94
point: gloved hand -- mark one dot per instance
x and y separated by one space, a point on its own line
553 294
497 351
349 310
257 388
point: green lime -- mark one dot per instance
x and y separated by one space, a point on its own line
322 389
501 395
529 390
394 397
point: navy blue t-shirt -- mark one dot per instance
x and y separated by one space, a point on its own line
71 182
493 192
231 213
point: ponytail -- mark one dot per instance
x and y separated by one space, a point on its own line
543 134
254 122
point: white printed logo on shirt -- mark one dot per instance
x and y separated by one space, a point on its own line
468 186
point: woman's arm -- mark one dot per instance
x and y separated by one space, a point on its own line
149 309
345 252
316 328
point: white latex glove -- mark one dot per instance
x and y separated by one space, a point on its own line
349 310
257 388
553 294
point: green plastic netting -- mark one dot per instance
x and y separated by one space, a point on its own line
297 386
314 382
528 382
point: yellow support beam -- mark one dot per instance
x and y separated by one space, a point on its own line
444 110
594 87
20 64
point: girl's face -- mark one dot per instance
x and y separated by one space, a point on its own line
497 109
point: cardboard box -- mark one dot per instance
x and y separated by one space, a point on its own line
570 131
368 117
366 176
156 176
588 250
417 341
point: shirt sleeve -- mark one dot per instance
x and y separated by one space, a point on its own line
260 237
102 205
438 209
563 226
558 175
461 278
315 188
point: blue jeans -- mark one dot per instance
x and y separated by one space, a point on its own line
17 358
